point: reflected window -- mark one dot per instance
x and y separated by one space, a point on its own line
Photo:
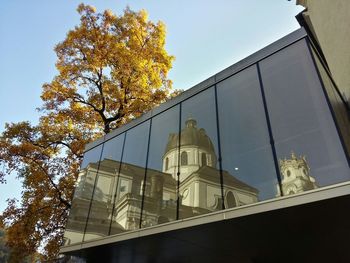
166 163
123 187
230 200
184 158
204 159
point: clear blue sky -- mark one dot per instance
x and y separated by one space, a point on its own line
204 36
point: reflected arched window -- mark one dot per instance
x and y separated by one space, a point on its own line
166 163
204 159
230 200
184 158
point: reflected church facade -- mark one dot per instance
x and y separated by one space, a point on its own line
199 190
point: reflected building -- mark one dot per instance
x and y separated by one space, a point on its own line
199 189
296 176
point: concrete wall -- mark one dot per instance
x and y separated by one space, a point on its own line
330 22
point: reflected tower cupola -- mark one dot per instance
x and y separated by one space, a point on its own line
196 150
296 176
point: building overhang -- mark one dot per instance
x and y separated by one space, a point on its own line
302 3
313 226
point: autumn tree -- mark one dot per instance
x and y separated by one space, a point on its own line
4 250
111 69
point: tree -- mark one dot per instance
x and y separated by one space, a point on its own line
4 250
111 69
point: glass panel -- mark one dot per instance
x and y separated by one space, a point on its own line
337 104
249 172
200 188
103 198
127 210
82 197
161 181
307 144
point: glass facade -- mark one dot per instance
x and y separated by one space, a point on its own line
199 175
263 132
247 158
308 148
127 207
160 197
102 203
336 101
81 202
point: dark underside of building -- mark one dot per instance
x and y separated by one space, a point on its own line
312 232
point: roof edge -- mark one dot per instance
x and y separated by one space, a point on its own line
211 81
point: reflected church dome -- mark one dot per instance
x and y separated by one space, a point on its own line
190 135
196 151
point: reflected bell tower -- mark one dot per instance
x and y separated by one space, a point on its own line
296 176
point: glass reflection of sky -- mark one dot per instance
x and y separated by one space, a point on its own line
202 108
300 117
162 126
245 142
136 143
112 149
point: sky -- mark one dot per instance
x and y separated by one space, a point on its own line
204 36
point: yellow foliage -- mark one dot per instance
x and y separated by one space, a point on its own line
110 69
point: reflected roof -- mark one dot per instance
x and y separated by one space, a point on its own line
190 135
